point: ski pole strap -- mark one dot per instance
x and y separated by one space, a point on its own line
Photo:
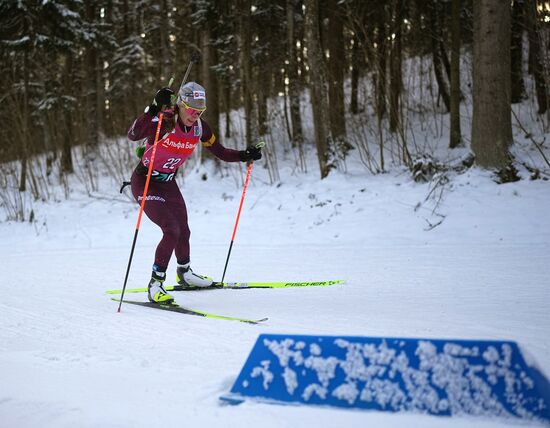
124 184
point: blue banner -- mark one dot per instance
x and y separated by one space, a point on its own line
439 377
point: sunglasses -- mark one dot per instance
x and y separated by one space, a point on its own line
191 110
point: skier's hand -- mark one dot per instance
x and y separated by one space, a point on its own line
251 154
163 97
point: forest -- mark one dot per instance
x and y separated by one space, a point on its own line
78 72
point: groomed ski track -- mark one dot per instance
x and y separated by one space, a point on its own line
67 358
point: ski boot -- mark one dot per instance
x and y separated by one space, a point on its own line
156 291
186 277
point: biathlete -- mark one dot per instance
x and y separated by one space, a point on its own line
182 130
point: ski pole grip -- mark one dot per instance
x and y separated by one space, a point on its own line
195 57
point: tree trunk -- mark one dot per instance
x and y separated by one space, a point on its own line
262 94
292 73
355 52
227 97
100 98
214 96
455 135
26 124
381 43
437 53
126 20
66 151
163 47
491 127
318 86
245 67
92 136
445 58
183 48
518 87
395 66
535 57
336 66
210 82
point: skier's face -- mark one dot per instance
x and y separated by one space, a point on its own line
189 115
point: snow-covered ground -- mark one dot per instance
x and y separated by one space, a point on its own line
68 359
467 260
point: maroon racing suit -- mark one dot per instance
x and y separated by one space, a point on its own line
164 202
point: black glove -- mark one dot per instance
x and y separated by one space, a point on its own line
162 98
250 154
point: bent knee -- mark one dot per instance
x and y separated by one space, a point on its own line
171 230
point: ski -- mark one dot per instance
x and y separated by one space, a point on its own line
235 285
174 307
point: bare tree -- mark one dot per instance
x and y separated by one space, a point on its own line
355 67
67 166
455 134
381 57
438 52
518 87
293 83
210 82
246 68
318 86
536 66
395 64
492 126
26 125
336 67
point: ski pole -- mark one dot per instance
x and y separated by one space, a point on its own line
259 145
195 58
144 197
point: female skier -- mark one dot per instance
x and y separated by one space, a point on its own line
182 130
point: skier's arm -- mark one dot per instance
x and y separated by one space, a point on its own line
211 143
144 126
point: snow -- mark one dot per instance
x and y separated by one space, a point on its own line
67 358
